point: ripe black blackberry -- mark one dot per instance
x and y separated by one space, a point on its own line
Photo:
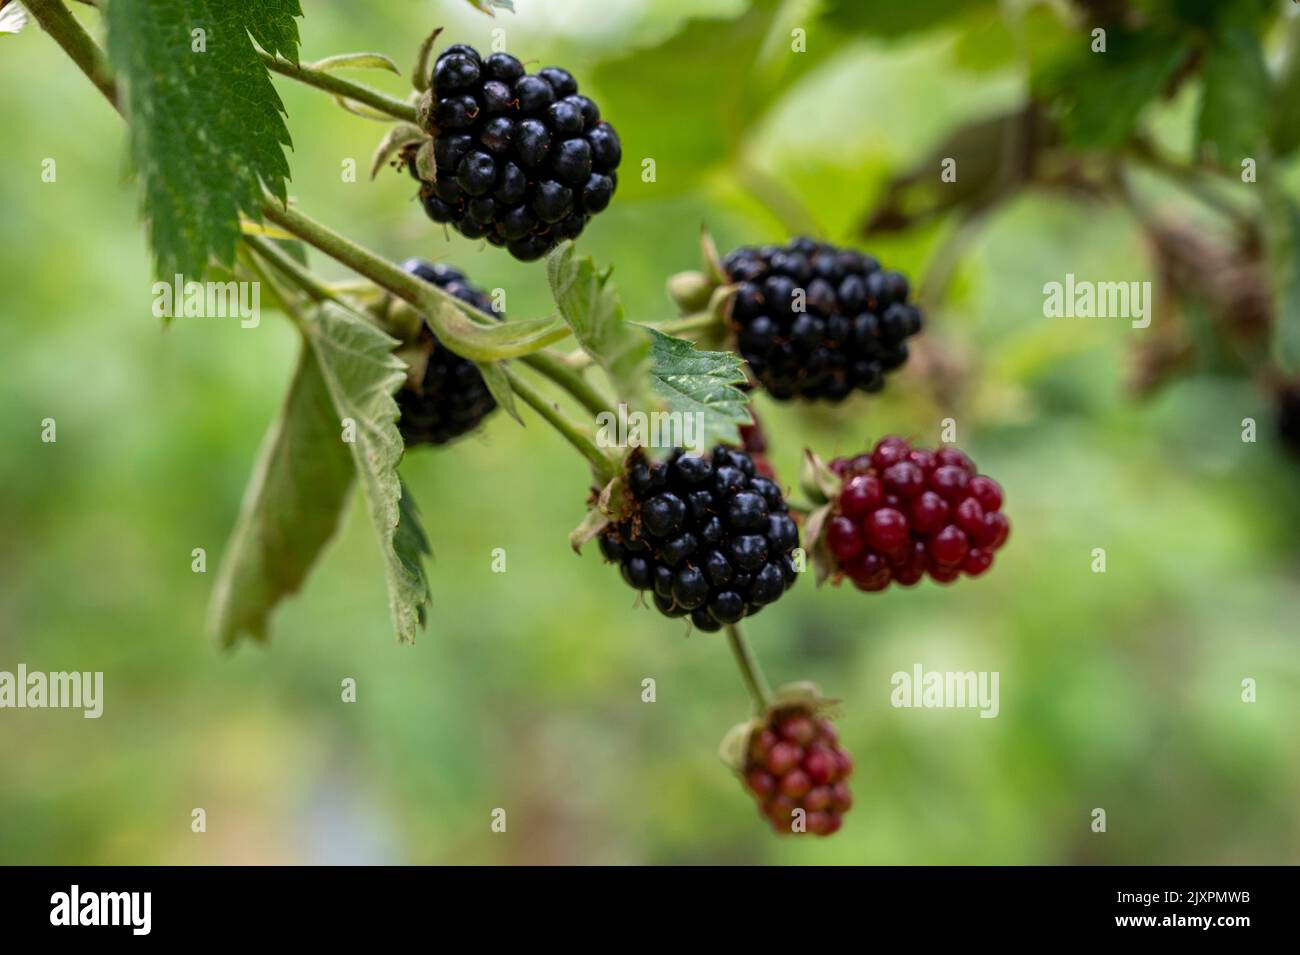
451 397
707 537
523 160
814 321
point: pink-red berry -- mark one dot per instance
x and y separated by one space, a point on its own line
797 772
904 513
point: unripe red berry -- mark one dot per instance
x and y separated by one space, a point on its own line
970 517
911 513
798 729
977 562
844 539
904 479
889 450
861 495
819 799
820 766
949 546
791 781
762 783
886 529
923 459
950 481
783 757
997 528
795 784
950 456
929 512
987 491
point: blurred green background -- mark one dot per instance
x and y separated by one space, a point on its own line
1119 690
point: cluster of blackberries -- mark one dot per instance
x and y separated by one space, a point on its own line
905 512
707 535
814 321
523 160
451 397
795 764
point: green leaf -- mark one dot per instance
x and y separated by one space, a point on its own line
1235 98
712 109
899 17
272 23
291 509
356 61
700 382
361 373
491 6
1098 97
206 127
589 304
498 384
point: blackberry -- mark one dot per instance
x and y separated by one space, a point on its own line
817 322
523 160
708 535
794 762
451 397
905 512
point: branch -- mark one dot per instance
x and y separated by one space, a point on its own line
320 79
58 22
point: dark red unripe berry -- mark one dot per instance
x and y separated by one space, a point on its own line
905 512
782 758
844 538
796 772
886 529
861 495
949 546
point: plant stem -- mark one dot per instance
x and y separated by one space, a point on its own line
322 80
293 270
460 328
750 671
571 381
59 23
291 306
603 464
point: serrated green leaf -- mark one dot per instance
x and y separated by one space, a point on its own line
291 509
1098 97
591 307
273 24
897 18
702 382
361 373
206 127
1236 92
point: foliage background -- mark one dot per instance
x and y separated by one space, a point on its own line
1119 690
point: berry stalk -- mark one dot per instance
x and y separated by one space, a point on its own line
750 671
459 332
331 83
604 466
